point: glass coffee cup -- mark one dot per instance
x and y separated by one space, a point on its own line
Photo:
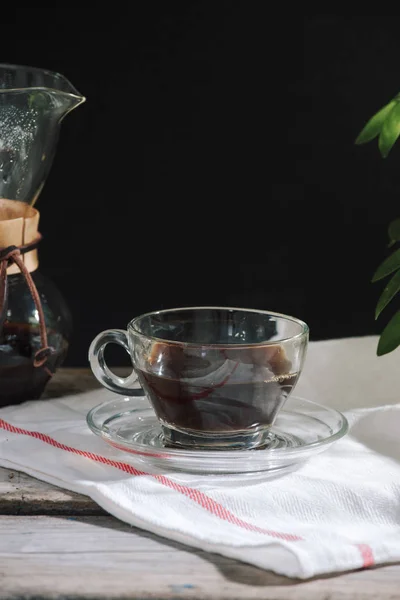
216 377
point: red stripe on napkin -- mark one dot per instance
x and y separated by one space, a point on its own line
199 497
367 555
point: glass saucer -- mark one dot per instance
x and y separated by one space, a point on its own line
301 430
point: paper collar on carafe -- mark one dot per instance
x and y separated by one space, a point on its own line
18 227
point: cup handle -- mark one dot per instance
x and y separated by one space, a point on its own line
120 385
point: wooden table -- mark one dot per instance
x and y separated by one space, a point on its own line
57 544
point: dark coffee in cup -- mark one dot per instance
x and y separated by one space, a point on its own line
225 391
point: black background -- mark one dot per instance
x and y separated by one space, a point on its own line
214 163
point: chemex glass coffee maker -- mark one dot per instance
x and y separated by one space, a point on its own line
35 323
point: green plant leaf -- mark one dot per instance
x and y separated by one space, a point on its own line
374 125
390 131
394 231
392 288
390 264
390 337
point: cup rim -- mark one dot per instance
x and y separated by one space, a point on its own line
301 334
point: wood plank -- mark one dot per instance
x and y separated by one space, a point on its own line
23 495
72 381
100 557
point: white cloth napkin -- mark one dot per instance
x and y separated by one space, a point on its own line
340 511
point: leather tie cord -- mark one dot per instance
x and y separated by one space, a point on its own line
13 254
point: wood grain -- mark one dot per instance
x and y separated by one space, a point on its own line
99 557
23 495
73 381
